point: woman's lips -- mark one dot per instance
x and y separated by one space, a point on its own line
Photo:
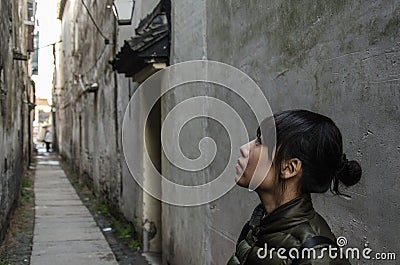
238 170
238 165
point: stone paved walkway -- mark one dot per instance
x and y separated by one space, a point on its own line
65 231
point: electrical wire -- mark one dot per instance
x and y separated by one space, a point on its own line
95 24
106 42
97 60
51 44
72 101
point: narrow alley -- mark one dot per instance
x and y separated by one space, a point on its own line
182 132
65 232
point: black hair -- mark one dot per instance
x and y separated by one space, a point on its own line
317 142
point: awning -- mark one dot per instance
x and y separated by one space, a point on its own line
150 47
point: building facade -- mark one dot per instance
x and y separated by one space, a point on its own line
336 58
16 102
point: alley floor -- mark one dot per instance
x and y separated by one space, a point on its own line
65 231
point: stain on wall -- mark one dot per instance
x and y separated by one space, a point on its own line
15 119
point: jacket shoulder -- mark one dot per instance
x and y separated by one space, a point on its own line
321 227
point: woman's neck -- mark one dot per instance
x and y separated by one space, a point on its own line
273 201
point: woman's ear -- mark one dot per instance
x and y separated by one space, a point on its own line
291 168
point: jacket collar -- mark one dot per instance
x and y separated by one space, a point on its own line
290 214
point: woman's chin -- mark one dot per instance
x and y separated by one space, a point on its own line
239 180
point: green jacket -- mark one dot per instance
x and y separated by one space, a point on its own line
288 226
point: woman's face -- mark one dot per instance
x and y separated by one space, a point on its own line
254 163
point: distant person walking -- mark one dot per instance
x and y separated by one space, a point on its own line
48 139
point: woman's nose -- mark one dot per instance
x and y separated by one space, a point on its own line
245 149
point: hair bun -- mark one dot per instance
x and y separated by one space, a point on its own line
350 173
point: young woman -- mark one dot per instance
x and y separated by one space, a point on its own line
308 158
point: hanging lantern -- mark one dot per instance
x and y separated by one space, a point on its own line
123 11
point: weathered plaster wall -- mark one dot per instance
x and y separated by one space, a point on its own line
186 230
134 203
14 116
89 126
87 122
339 58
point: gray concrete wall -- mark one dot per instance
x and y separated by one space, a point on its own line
133 200
186 231
132 196
87 122
209 228
15 88
338 58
